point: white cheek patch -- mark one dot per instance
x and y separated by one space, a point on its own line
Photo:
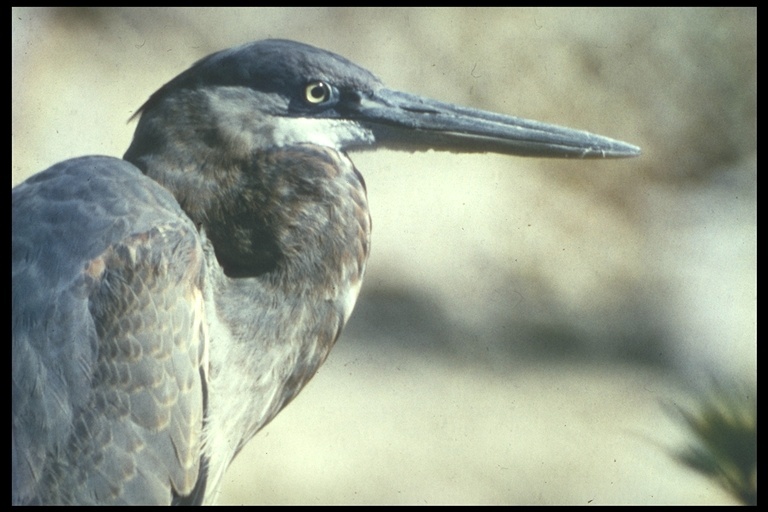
332 133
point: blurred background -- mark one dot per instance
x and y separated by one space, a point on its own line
524 323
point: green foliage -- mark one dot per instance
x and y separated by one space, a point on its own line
724 448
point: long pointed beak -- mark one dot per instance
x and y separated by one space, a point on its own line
406 121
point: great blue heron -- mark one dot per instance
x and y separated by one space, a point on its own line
167 306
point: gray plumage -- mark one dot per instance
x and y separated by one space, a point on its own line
168 305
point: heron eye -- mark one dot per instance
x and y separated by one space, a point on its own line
317 93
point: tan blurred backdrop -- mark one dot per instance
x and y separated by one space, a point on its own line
522 321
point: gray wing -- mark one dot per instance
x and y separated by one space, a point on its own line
108 339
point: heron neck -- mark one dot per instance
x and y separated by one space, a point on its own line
287 235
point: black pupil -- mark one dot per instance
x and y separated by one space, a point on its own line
318 92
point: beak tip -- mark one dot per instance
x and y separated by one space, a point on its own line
611 148
630 150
